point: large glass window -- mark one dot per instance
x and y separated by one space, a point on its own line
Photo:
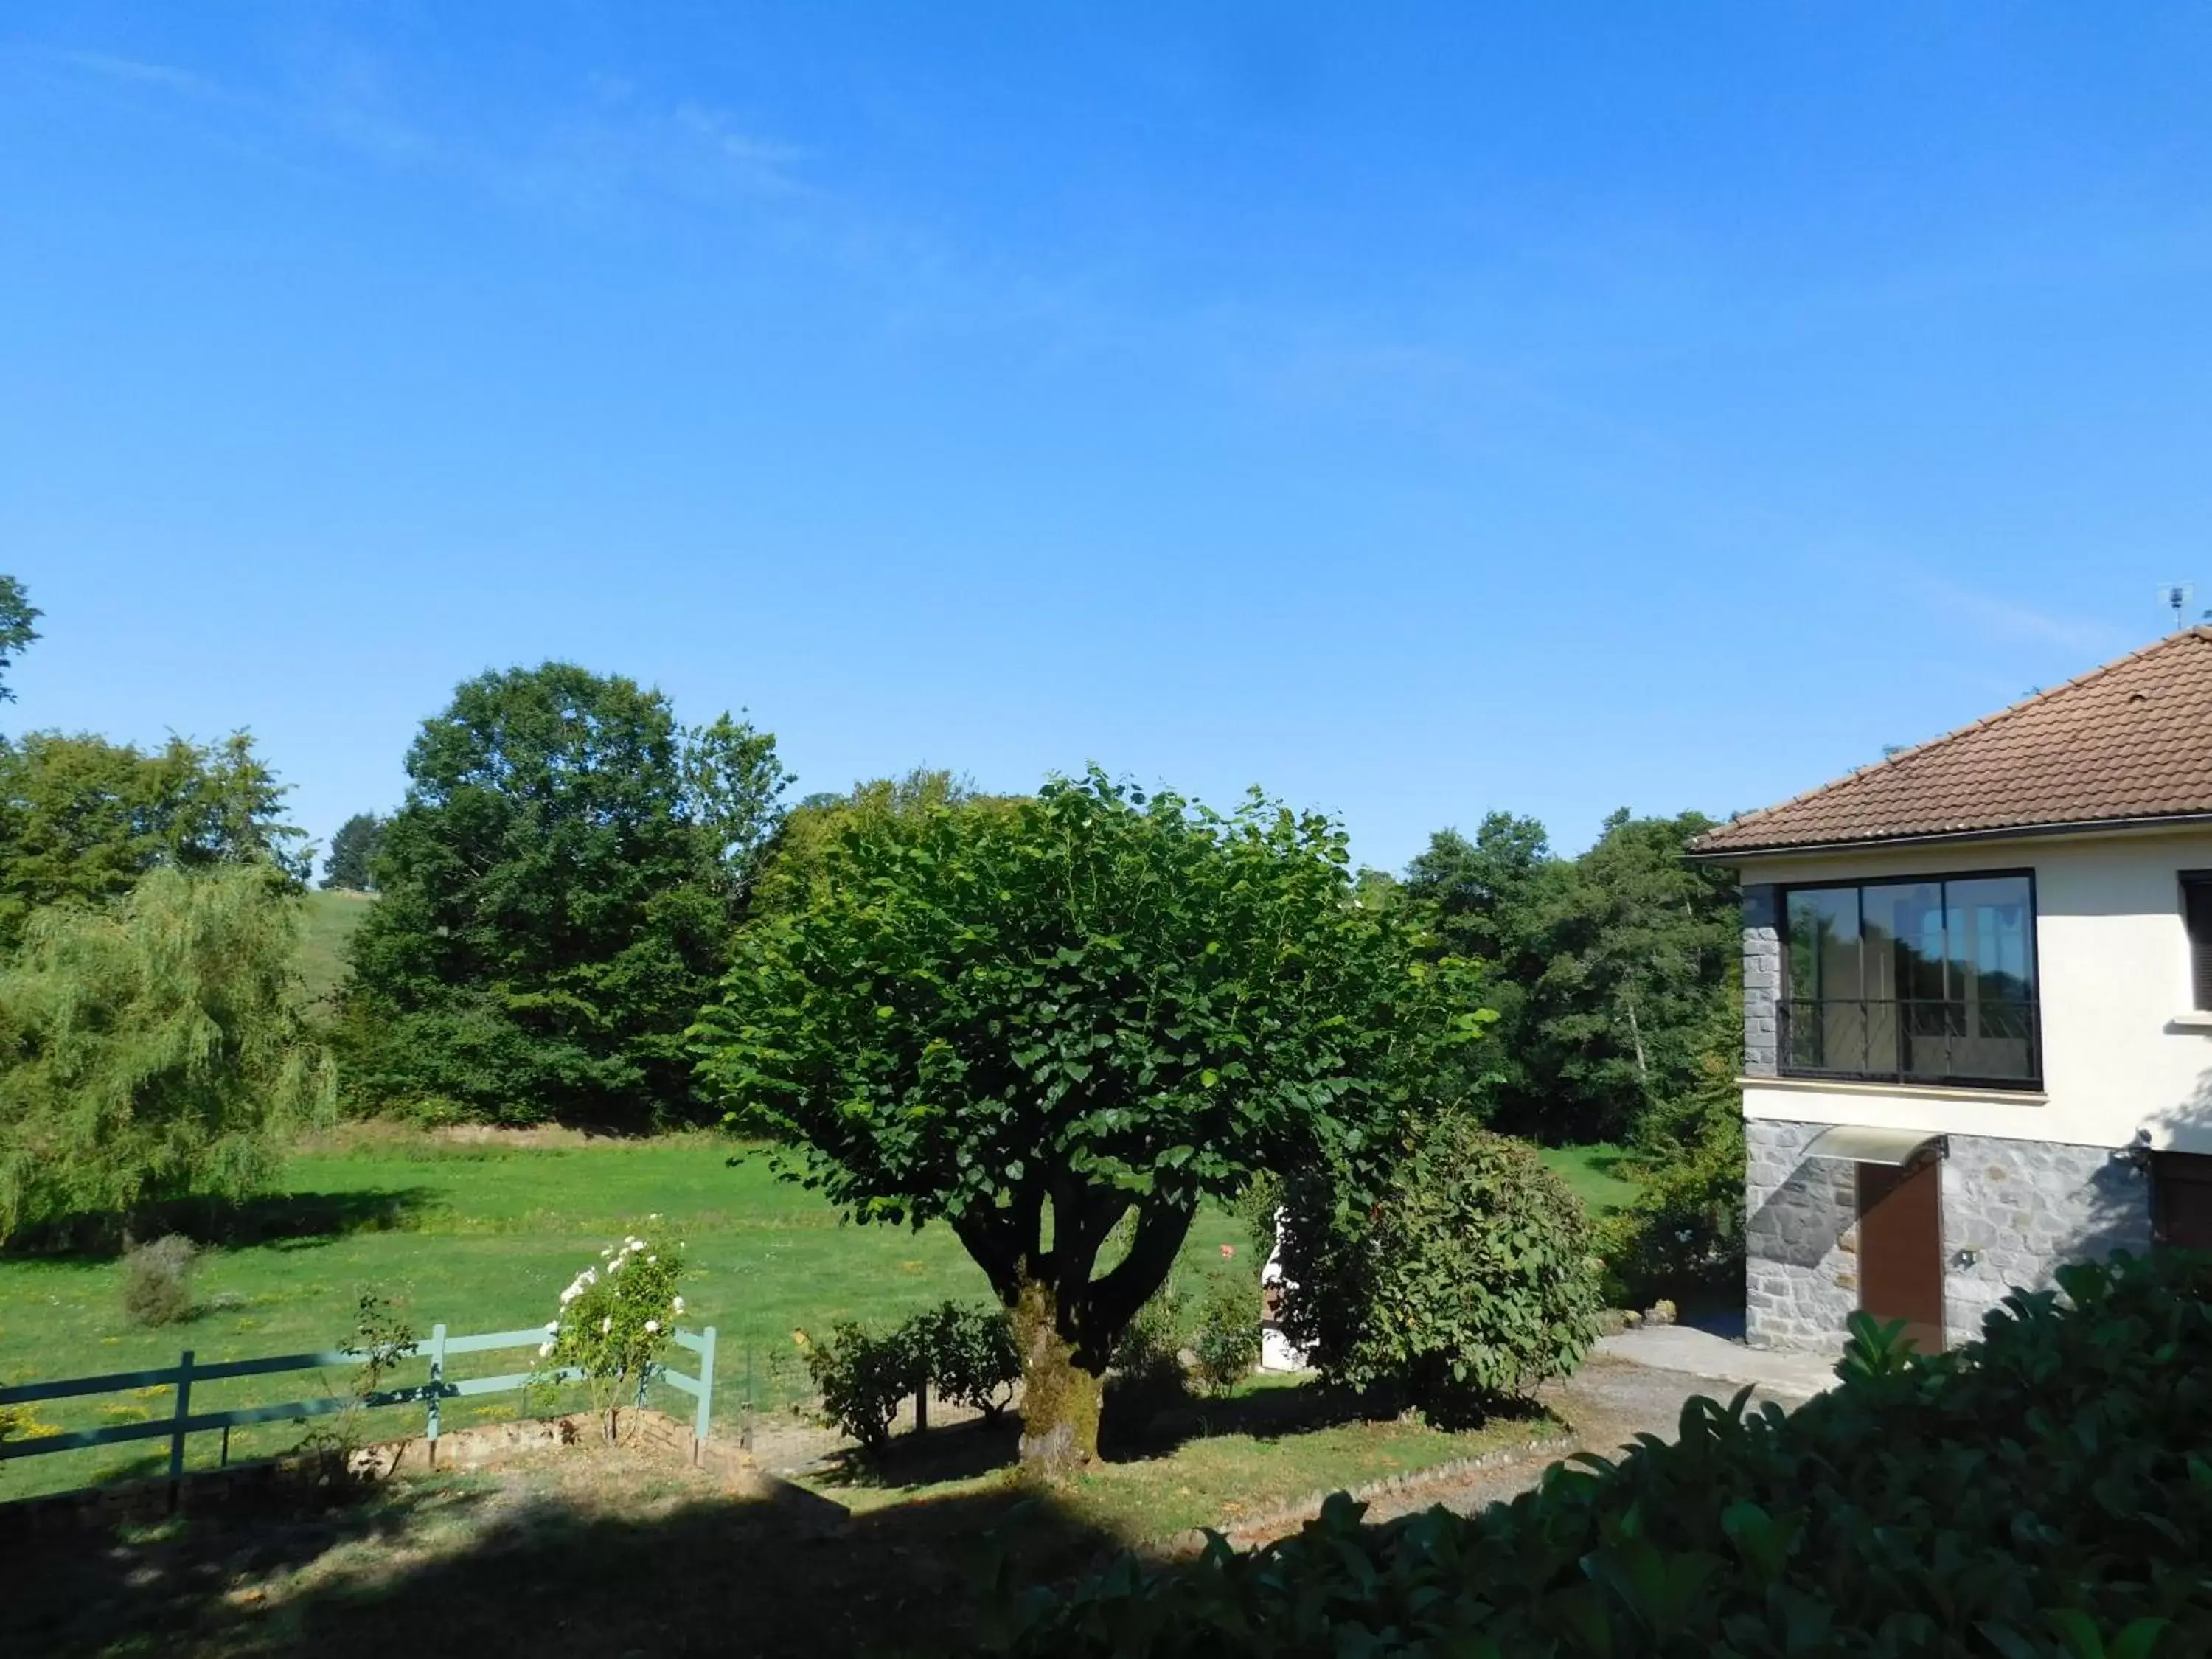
1920 982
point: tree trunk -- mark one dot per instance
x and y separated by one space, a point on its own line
1060 1398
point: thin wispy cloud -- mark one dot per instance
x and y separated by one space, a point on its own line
2010 619
751 161
132 71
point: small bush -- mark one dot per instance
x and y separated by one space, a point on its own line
967 1354
157 1280
1470 1281
963 1353
861 1377
2040 1494
617 1318
1145 1375
1226 1343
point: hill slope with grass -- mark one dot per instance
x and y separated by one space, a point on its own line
331 917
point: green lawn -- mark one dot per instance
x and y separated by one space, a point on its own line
483 1237
1595 1175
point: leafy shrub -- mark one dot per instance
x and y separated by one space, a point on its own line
968 1356
1144 1375
614 1325
963 1353
382 1339
157 1280
861 1377
2044 1493
1226 1342
1255 1209
1472 1279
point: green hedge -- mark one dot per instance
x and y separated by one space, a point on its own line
2044 1491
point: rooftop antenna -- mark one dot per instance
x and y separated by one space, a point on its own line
2178 597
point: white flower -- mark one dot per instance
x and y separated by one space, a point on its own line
652 1326
654 1216
552 1327
570 1295
606 1324
653 1258
605 1253
677 1305
544 1349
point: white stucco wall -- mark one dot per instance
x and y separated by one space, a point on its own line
2112 964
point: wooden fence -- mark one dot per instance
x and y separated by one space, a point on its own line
183 1420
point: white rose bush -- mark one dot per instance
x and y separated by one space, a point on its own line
616 1320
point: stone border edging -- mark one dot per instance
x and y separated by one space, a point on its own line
1192 1539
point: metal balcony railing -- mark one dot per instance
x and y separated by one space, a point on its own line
1912 1040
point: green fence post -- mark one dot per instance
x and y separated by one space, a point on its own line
437 1382
699 1424
176 1434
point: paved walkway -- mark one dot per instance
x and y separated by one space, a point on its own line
1637 1383
1702 1354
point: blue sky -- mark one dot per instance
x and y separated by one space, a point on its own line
1416 411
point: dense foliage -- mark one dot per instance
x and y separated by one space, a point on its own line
1605 968
351 862
1684 1232
1033 1018
557 895
17 613
1471 1277
960 1353
2044 1493
152 1050
82 819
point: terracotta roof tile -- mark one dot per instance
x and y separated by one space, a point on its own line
2130 740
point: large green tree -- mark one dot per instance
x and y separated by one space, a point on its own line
152 1049
17 613
1606 969
82 819
352 857
1036 1019
558 891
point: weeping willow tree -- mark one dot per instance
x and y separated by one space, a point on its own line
151 1049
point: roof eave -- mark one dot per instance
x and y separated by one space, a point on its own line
1941 837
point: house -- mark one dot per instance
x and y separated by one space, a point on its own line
1978 1007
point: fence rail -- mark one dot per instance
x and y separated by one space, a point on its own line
188 1372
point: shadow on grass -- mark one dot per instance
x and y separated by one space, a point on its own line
462 1567
281 1220
963 1451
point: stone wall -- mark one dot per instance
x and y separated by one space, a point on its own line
1801 1247
1762 979
2014 1210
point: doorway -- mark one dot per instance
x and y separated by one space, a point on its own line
1901 1248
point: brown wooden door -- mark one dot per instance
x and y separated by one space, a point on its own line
2182 1200
1901 1248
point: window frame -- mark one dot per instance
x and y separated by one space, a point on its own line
2032 1084
2200 972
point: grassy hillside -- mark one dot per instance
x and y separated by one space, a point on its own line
332 918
